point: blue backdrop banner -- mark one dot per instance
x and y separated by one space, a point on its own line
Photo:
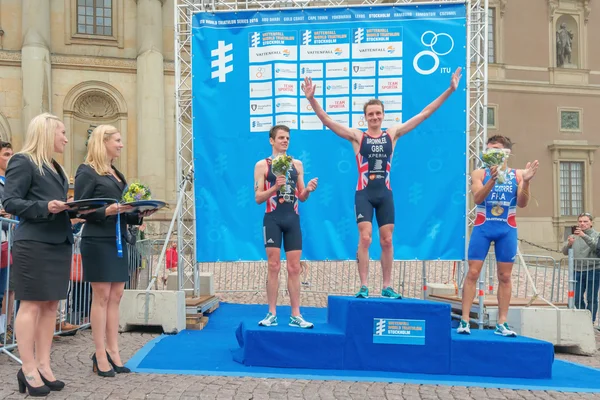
247 70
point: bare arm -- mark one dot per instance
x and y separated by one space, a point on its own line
401 129
260 194
479 190
342 131
304 192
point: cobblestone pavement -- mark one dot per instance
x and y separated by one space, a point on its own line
71 362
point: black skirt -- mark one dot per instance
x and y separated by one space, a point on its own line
41 271
100 260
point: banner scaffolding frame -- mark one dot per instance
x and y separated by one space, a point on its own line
476 74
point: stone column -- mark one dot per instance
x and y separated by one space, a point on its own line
151 138
35 61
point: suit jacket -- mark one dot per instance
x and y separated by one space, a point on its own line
27 193
90 185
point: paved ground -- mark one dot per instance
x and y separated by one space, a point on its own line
71 361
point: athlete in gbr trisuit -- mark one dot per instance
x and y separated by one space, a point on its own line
373 150
281 220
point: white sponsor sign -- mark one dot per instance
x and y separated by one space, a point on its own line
261 89
310 122
273 53
261 124
337 70
390 85
377 50
286 88
314 70
261 72
261 107
291 121
337 87
286 71
391 103
337 104
286 105
363 86
363 68
390 67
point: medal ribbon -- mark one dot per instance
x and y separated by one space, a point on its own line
119 244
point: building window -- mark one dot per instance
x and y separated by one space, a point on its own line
491 116
571 188
569 120
94 17
491 35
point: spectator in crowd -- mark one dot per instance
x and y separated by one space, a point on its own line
6 295
583 241
35 192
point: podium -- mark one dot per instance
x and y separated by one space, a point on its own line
381 334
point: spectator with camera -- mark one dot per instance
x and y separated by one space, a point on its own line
583 240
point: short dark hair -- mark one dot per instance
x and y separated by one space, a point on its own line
274 130
373 102
503 140
5 145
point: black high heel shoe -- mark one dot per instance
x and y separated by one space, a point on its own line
54 385
38 391
118 370
107 374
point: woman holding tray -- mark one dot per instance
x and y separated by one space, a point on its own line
103 246
35 192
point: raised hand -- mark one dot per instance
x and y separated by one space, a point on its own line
308 87
530 170
454 81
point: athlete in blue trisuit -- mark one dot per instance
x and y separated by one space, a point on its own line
373 150
495 222
282 220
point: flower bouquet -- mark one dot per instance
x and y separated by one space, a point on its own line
280 167
497 157
136 192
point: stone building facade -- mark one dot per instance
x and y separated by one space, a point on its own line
111 61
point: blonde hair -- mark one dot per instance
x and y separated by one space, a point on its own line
97 157
39 143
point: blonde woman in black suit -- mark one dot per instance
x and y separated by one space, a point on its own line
36 191
107 272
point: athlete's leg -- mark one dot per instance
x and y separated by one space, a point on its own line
479 245
385 214
272 239
387 253
274 265
506 251
363 210
292 244
504 290
293 283
365 231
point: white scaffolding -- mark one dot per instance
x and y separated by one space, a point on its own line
476 74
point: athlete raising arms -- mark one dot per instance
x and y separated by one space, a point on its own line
373 150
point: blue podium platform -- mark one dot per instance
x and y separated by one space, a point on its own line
381 334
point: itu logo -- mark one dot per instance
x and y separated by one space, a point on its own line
222 59
286 52
390 49
439 44
338 51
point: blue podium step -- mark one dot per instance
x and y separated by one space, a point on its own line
284 346
380 334
483 353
